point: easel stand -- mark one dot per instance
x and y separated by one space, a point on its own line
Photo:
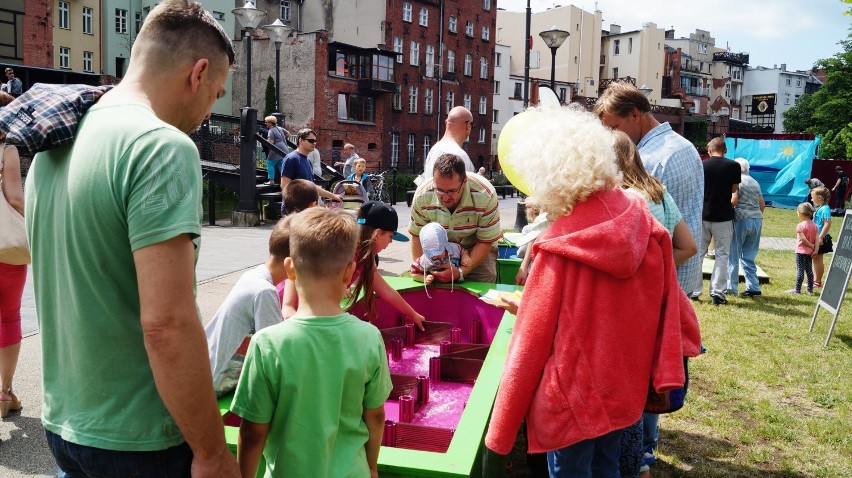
837 280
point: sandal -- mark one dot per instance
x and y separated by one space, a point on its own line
6 406
817 283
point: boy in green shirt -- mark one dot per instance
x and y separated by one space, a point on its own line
313 388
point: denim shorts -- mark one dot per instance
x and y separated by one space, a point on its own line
79 461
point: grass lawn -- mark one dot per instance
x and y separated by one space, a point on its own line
766 400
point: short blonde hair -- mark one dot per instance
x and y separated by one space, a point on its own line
620 99
322 241
822 192
574 158
271 119
359 160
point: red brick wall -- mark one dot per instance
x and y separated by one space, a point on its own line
38 33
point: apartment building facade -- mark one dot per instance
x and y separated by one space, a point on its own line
637 55
382 76
726 97
26 33
768 93
77 35
695 68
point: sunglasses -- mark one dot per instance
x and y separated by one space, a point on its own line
310 140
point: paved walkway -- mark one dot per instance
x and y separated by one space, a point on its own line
225 253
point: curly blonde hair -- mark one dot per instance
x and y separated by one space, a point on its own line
571 157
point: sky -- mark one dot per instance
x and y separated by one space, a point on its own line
773 32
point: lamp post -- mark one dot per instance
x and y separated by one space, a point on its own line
553 38
646 90
247 214
278 32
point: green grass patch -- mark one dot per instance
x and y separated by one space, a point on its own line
779 222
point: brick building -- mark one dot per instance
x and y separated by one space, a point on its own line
26 32
381 76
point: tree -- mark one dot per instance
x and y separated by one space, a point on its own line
826 112
269 107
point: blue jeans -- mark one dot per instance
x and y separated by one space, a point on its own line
593 458
744 249
78 461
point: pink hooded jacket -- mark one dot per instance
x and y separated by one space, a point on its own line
602 317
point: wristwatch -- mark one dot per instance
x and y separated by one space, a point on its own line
461 275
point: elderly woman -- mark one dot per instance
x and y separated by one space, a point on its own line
274 160
748 221
602 315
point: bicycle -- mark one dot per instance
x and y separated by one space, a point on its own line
380 191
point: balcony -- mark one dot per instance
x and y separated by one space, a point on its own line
374 85
605 82
603 60
728 57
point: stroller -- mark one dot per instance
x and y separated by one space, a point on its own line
352 192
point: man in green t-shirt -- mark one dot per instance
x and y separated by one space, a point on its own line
114 225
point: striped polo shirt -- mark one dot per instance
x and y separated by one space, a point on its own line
475 219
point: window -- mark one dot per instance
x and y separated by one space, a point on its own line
483 105
382 68
138 21
481 136
562 93
414 60
87 20
64 57
120 20
394 149
218 15
397 98
427 145
786 98
796 99
424 17
497 58
451 100
453 24
616 47
736 74
728 90
496 116
468 64
486 4
468 29
483 67
354 107
64 16
798 82
87 61
411 138
517 93
285 10
412 99
430 61
614 73
397 47
496 87
427 101
630 45
486 33
787 81
466 100
406 12
451 61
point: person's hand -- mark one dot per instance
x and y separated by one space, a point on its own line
222 465
336 198
445 273
428 279
510 304
337 164
374 473
521 277
466 262
418 320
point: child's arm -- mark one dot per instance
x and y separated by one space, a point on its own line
465 258
250 446
802 237
290 300
392 297
375 420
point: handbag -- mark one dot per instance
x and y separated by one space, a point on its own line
667 402
14 249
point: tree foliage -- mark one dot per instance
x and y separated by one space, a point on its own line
269 106
827 112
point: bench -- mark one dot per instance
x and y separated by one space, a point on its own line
505 189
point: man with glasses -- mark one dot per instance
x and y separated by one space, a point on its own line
459 125
349 161
297 166
465 204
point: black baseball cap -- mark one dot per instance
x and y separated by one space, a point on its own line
381 216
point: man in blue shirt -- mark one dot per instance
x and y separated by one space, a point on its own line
297 166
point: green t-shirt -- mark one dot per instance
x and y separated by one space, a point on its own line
128 181
311 378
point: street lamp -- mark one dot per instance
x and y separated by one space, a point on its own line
278 32
646 90
248 16
247 213
553 38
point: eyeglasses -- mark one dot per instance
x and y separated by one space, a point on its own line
310 140
449 192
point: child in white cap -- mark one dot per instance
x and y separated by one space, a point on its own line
437 251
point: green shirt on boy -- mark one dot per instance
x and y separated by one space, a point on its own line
311 378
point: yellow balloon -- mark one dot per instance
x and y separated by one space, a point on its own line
512 164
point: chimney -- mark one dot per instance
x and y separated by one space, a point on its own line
783 67
670 34
614 29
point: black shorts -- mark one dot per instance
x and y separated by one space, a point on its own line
826 245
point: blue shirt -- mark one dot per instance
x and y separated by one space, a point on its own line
297 166
673 160
822 215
